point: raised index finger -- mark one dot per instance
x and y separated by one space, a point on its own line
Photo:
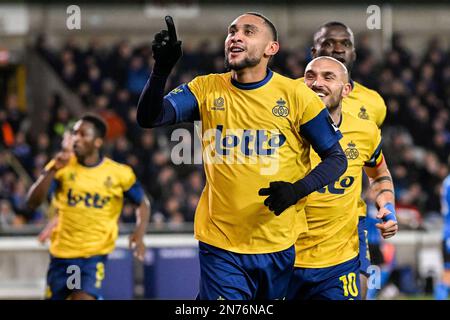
171 29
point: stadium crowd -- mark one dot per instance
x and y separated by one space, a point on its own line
108 80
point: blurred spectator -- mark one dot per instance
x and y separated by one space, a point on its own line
7 216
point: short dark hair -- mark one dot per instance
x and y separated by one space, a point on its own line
99 124
272 28
333 24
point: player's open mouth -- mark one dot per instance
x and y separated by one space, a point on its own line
321 94
235 50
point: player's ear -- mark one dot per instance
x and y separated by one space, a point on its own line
346 89
98 142
272 48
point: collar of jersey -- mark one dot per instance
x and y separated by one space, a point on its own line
340 120
253 85
100 161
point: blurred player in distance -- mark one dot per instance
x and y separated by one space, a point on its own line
443 286
335 39
87 191
327 255
246 251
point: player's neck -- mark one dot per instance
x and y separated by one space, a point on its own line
336 114
250 75
91 160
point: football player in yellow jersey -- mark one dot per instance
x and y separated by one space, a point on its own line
336 40
327 259
87 191
256 127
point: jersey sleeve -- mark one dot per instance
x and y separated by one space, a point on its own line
381 111
127 177
376 155
135 194
132 189
184 103
317 126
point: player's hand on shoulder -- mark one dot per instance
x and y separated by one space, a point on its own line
166 49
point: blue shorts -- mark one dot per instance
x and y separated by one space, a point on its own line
234 276
364 254
65 276
340 282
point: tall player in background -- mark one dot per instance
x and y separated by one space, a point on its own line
250 117
442 288
336 40
327 255
88 191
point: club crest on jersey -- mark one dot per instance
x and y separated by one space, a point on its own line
71 176
219 104
362 114
280 110
351 152
108 182
176 90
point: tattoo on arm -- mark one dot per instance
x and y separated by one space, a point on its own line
383 191
381 179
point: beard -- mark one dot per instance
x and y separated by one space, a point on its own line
245 63
335 100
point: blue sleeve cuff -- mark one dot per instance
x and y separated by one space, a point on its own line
185 104
321 132
135 194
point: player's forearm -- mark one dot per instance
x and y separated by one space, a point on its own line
384 192
143 216
38 191
383 185
152 109
332 166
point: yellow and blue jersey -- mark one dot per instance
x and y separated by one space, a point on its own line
89 201
365 104
332 212
252 134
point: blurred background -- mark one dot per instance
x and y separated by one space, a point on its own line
50 75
